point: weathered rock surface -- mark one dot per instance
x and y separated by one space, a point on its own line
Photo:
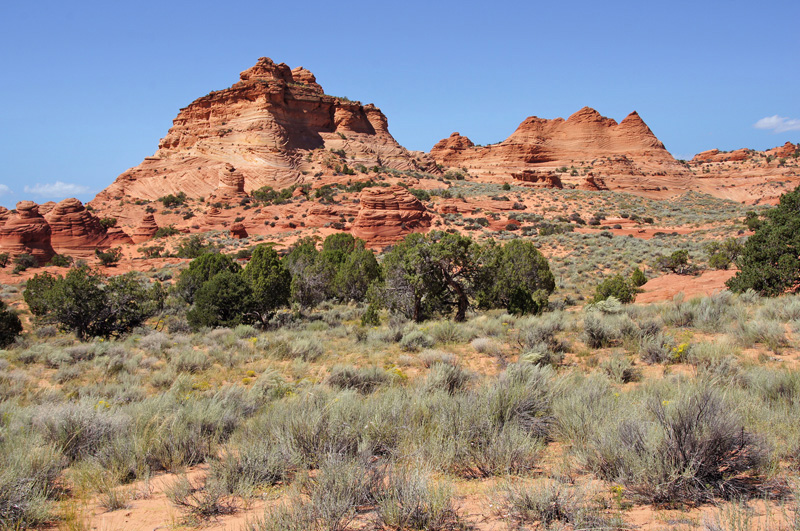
231 186
387 214
146 230
265 126
27 232
539 179
75 229
238 231
628 150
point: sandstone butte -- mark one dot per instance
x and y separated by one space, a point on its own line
388 213
626 155
266 126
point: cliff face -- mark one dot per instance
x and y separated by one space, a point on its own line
267 126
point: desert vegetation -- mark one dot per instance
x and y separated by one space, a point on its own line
447 383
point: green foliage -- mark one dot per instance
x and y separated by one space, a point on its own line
770 263
25 261
422 195
355 274
110 257
638 278
193 247
371 316
10 325
516 276
85 303
4 259
171 201
224 300
164 232
722 254
677 262
61 260
618 287
269 281
107 223
201 270
269 196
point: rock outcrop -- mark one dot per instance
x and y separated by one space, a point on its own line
584 139
715 155
146 229
27 231
75 229
265 126
539 179
387 214
238 231
231 186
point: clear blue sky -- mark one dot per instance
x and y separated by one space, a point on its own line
88 88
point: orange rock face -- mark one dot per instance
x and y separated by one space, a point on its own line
387 214
27 232
628 150
715 155
265 126
74 228
231 186
146 229
539 179
238 231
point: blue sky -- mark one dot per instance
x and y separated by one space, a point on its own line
88 88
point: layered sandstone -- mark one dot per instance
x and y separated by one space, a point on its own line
266 126
539 179
628 150
146 230
231 186
74 228
26 231
387 214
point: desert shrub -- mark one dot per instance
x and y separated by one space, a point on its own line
109 257
598 331
430 357
621 369
485 345
199 502
4 259
306 348
659 348
552 504
446 332
770 333
80 430
415 340
686 449
618 287
61 260
363 380
224 300
536 331
193 247
172 200
412 500
448 377
10 325
165 232
29 470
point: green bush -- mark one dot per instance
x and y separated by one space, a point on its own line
110 257
618 287
10 325
84 302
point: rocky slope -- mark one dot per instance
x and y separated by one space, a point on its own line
626 155
275 127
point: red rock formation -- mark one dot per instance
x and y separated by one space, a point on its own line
387 214
27 232
715 155
146 229
231 186
74 228
786 150
264 125
583 139
117 236
45 208
4 213
238 231
539 179
593 183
